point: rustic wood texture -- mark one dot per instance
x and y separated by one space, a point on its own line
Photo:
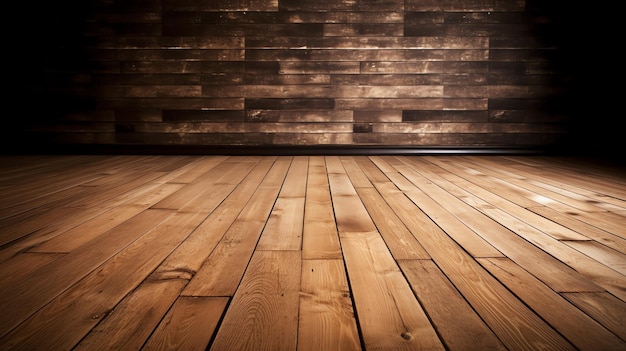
316 252
284 72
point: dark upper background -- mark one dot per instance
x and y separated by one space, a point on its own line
172 75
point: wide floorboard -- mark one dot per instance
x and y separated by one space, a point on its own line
354 252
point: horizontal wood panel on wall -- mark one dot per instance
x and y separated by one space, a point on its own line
287 72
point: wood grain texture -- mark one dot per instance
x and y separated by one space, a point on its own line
527 288
189 325
127 75
326 320
456 322
320 237
376 279
239 241
309 252
263 313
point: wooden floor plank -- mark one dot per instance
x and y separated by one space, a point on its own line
189 325
18 212
93 221
62 224
389 315
187 259
602 254
98 292
14 168
558 275
320 239
20 266
601 200
54 179
355 173
196 168
350 214
68 219
45 284
283 230
594 233
456 321
506 198
263 314
588 267
197 188
90 230
607 203
311 252
214 192
550 172
463 235
16 229
604 177
132 321
402 244
500 212
326 317
544 195
583 331
284 227
118 185
294 185
613 223
221 273
491 300
604 308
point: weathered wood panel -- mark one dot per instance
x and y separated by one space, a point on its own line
453 62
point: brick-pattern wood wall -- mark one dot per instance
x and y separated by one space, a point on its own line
462 73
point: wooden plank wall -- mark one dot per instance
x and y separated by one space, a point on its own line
294 72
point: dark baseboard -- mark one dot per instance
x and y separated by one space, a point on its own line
272 150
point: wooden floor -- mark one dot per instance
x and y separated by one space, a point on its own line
373 252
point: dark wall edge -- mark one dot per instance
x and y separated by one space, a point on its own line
271 150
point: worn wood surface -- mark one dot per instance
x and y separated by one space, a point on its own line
480 73
337 252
